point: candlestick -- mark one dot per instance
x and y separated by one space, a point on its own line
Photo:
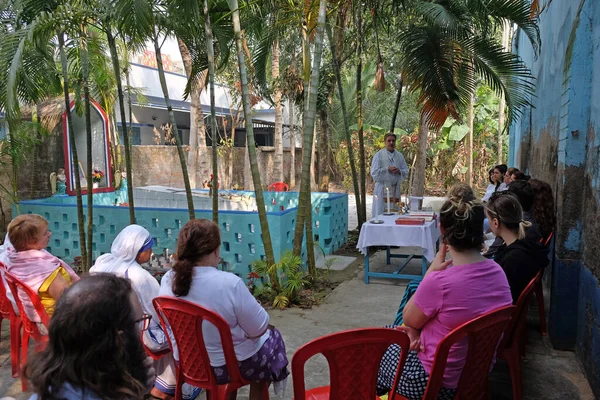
376 207
388 199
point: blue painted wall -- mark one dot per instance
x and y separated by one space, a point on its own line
558 140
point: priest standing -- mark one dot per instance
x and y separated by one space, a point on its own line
388 169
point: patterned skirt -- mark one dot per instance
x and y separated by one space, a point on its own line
413 381
268 364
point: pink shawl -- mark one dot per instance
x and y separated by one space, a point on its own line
33 267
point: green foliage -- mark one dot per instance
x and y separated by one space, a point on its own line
447 150
291 280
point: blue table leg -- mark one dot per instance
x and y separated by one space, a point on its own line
387 256
367 267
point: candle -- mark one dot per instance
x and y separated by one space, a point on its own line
376 207
388 199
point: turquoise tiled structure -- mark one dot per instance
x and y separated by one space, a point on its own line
240 230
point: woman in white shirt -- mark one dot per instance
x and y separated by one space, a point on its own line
259 347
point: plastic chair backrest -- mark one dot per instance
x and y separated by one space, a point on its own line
519 317
548 240
185 320
6 307
353 357
279 187
16 286
483 335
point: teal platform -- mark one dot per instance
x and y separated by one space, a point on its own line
240 230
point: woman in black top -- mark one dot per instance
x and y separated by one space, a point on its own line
519 257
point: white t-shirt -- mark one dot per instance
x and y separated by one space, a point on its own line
491 188
227 295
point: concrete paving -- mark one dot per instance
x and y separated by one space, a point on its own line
547 374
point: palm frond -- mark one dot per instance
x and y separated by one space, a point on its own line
506 74
430 61
518 12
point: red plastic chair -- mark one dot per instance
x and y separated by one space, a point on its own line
512 347
30 328
354 357
278 187
185 320
155 355
483 334
8 312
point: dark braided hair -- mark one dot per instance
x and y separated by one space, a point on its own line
198 238
461 218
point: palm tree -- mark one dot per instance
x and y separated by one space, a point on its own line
446 47
213 116
83 51
304 219
362 211
80 219
150 20
277 95
338 79
37 25
251 145
165 90
127 145
505 44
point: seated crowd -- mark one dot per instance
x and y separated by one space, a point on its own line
103 325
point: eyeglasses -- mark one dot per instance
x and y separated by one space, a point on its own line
144 322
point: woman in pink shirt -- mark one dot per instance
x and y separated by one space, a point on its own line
453 292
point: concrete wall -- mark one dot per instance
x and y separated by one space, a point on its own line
558 140
159 165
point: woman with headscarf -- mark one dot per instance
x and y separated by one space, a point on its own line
132 247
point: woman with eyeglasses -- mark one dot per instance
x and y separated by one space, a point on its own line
94 350
28 260
520 258
132 247
258 346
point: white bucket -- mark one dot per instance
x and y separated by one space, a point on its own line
416 203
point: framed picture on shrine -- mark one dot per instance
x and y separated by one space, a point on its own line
101 161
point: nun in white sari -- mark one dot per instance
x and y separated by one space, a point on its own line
132 247
388 169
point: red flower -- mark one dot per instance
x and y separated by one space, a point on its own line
253 275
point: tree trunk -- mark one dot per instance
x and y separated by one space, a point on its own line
313 160
292 145
213 115
396 106
74 167
197 161
165 90
324 159
88 130
359 121
418 183
502 102
310 110
470 144
338 79
35 117
278 161
127 145
258 190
